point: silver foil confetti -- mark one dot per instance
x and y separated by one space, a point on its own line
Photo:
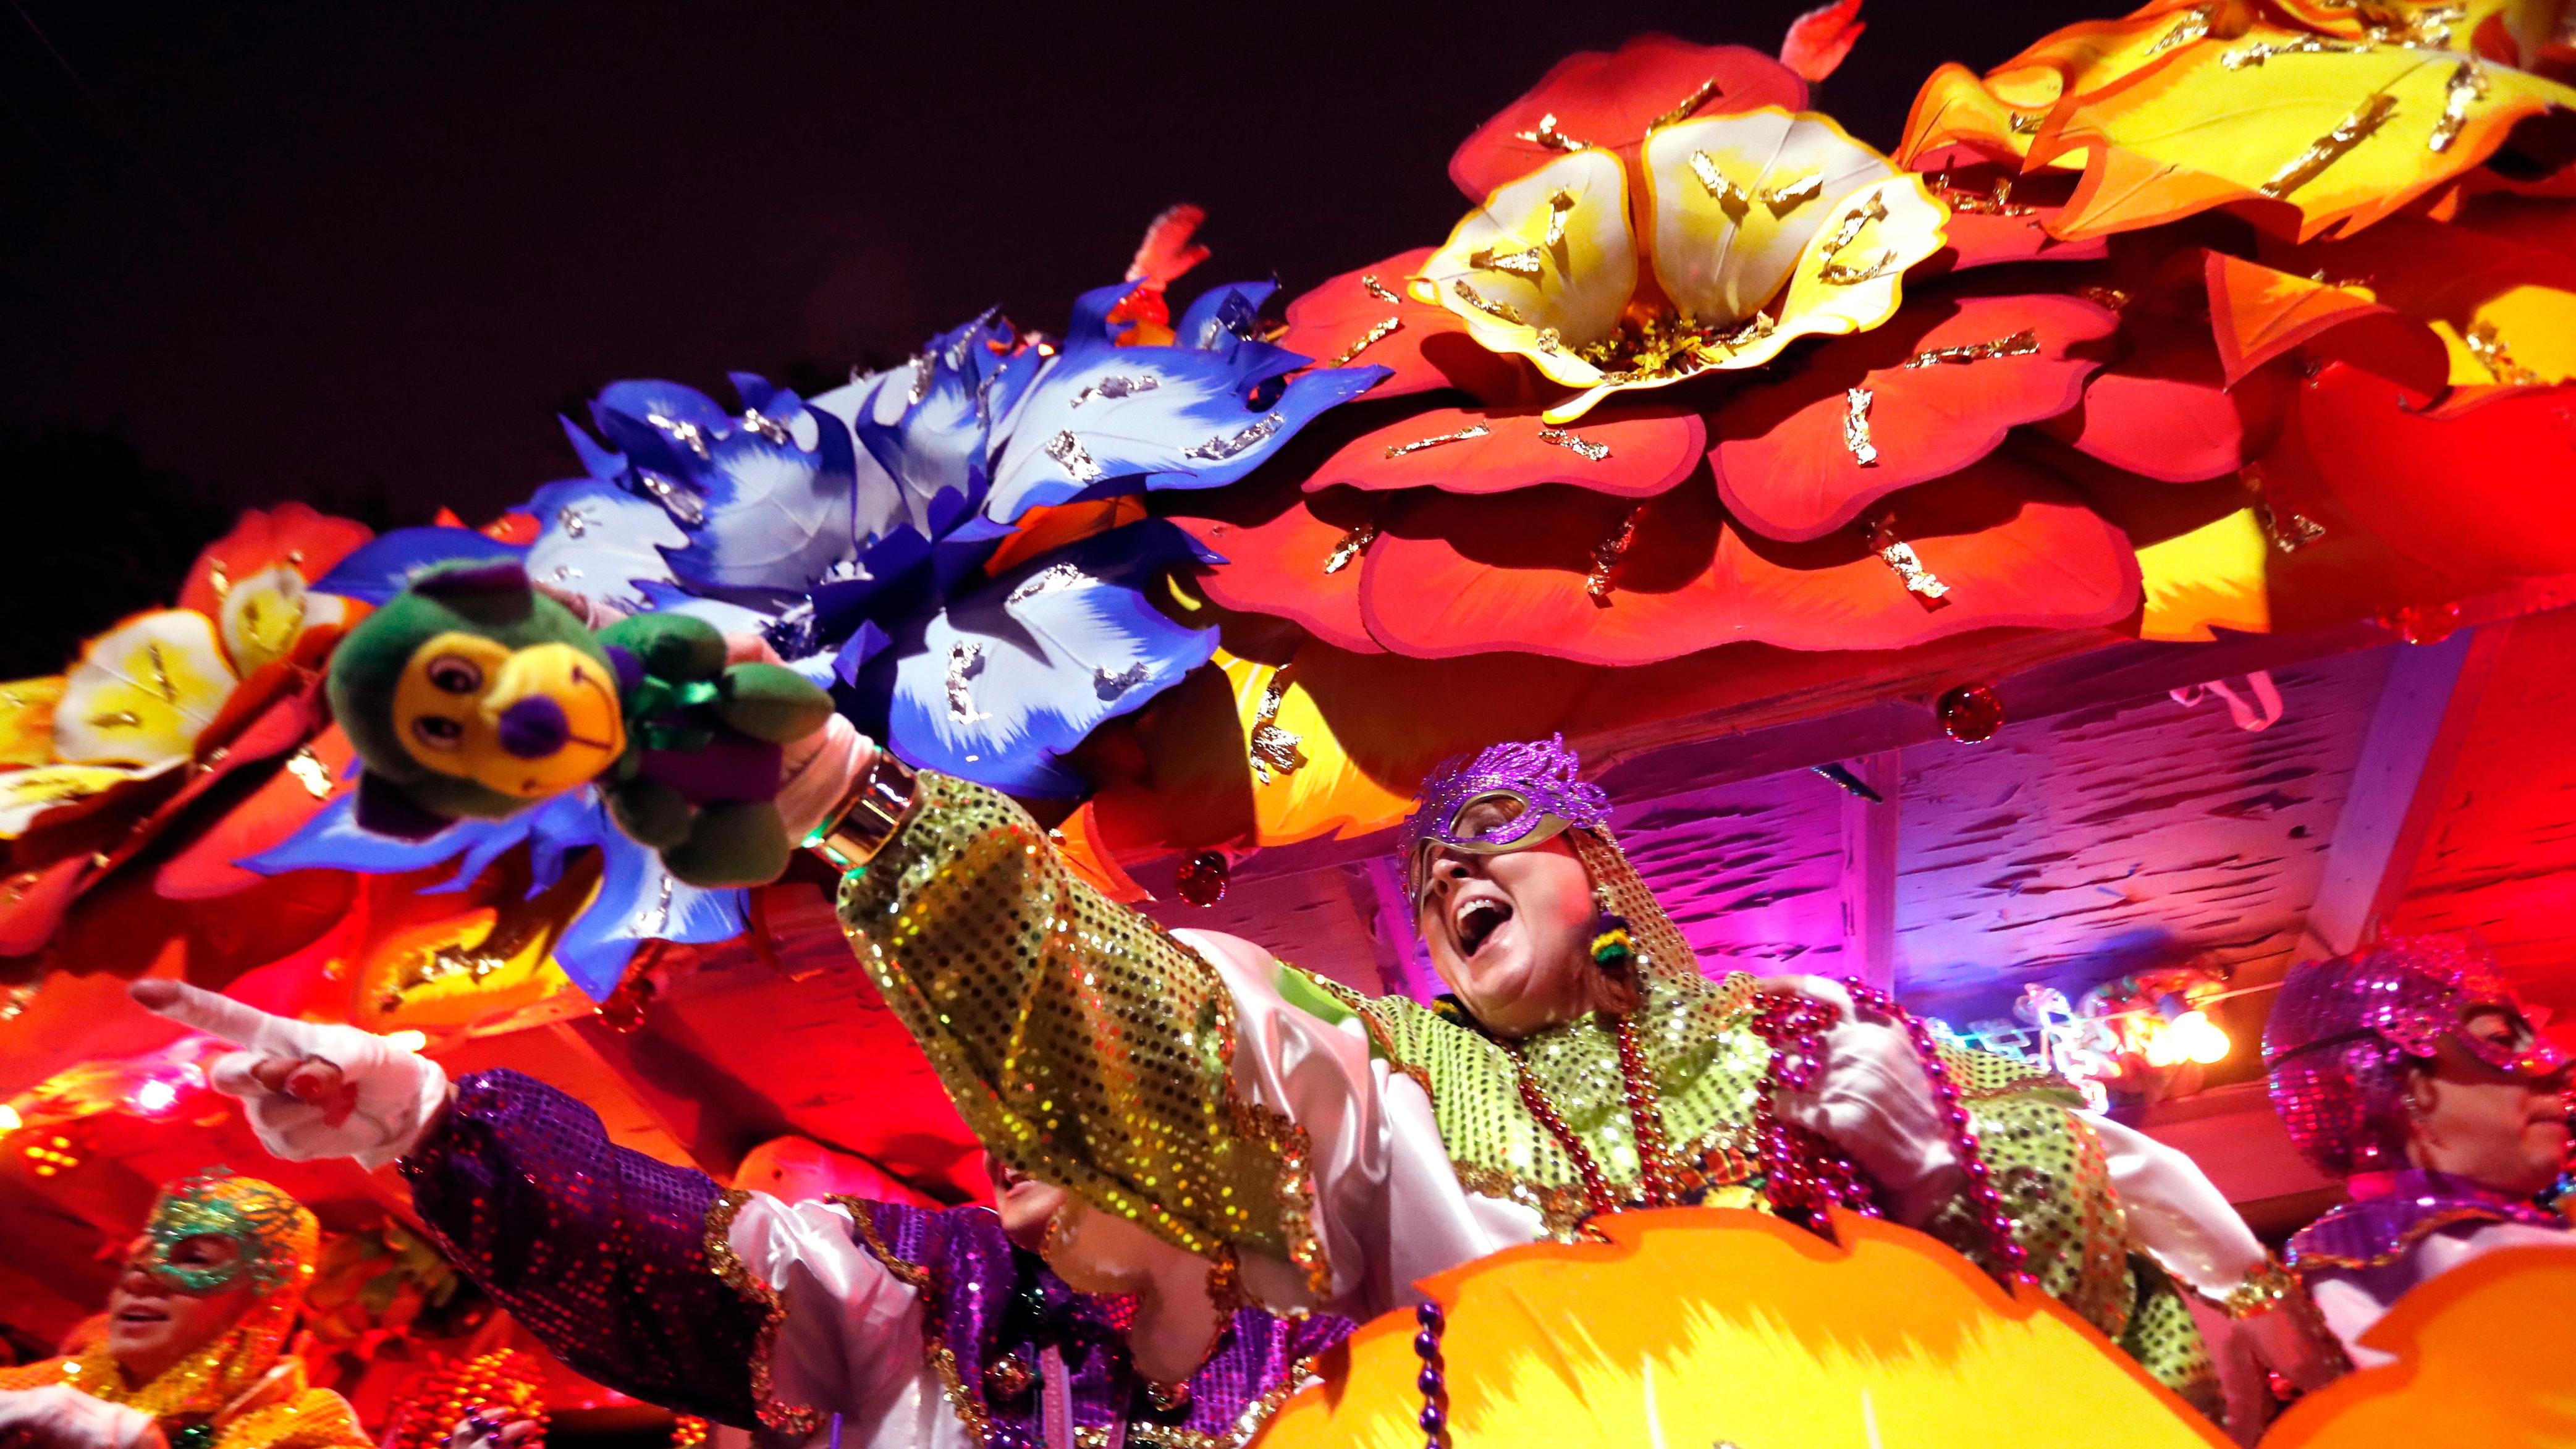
1465 434
1350 547
1275 751
1073 458
1114 388
687 435
1227 446
682 503
1856 405
1109 686
2466 87
1051 579
767 426
1581 447
965 661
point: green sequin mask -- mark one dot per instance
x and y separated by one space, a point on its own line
276 1236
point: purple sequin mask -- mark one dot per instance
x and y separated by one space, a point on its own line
1534 782
2344 1029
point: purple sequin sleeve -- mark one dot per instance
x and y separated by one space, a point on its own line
599 1251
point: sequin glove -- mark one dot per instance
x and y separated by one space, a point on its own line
58 1416
1874 1101
311 1090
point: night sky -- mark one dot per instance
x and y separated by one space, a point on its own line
329 251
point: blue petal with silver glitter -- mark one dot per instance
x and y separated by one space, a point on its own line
1004 682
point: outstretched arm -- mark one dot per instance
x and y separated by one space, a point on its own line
625 1266
1084 1045
601 1252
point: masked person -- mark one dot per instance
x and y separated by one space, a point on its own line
1330 1149
2410 1071
191 1351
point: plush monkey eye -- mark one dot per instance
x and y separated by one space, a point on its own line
455 675
438 731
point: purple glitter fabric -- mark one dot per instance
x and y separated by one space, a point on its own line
987 1300
2371 1239
2343 1030
599 1251
1541 774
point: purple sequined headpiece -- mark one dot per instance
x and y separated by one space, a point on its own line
1538 775
2343 1030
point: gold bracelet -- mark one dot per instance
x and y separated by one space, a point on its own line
2263 1290
868 817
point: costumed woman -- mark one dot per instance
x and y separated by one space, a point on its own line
2411 1071
1324 1149
190 1353
1034 1325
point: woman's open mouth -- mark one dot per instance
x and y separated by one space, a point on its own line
141 1313
1478 918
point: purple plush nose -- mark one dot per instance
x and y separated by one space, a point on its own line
534 728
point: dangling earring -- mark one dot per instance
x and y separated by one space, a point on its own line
1612 950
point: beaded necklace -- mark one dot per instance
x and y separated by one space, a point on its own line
1659 1178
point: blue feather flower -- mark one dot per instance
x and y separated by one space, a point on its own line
857 531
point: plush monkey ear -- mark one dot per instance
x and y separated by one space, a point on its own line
459 581
383 809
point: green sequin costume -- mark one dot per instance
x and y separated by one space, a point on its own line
1085 1045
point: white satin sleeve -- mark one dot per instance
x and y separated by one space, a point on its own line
851 1340
1388 1208
2176 1214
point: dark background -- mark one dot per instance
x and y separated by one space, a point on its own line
360 254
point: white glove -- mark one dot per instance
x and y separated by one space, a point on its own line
310 1089
59 1416
1874 1102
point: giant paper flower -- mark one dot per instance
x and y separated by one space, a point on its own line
1650 467
101 762
2303 117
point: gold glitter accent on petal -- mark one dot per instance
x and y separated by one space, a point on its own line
2466 87
1998 202
1560 205
1581 447
1546 135
2024 125
1606 555
1522 263
1856 405
1834 271
1368 339
2326 150
1275 751
2111 297
1377 289
2487 346
1465 434
2194 25
1682 112
2021 344
2247 57
1735 199
1351 546
1500 311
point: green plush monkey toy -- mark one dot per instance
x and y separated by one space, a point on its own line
472 694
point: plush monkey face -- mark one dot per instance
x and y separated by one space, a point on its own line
526 722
